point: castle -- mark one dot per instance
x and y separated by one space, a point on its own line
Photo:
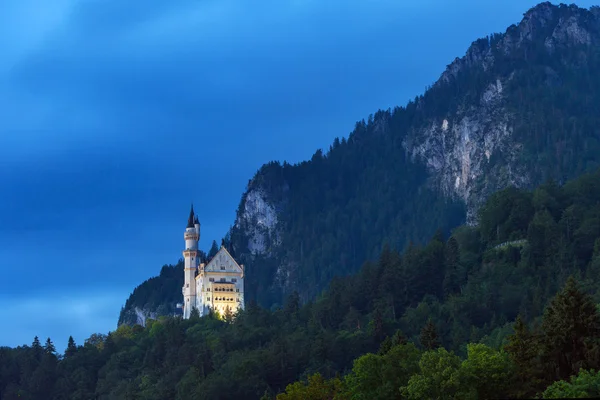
218 285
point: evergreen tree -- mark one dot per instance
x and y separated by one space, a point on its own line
429 337
228 315
523 349
37 349
194 314
377 324
571 326
398 338
451 259
71 347
385 346
292 305
214 249
49 347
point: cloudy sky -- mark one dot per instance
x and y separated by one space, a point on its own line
115 115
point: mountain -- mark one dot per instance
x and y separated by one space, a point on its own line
520 107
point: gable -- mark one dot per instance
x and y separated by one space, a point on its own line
223 262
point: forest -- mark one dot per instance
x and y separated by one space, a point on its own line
513 299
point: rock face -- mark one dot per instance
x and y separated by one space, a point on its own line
259 219
458 150
472 152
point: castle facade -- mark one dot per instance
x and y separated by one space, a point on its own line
217 285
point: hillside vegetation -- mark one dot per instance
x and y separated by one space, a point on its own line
384 331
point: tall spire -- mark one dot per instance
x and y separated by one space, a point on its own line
190 223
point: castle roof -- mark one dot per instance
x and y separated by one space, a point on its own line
190 223
223 250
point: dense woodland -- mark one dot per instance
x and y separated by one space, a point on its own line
456 318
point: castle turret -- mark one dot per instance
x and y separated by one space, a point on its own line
197 226
190 255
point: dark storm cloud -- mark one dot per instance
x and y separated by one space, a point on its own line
114 115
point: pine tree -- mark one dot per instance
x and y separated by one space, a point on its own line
398 338
451 258
571 325
49 347
429 336
37 348
523 348
110 346
385 346
292 304
228 315
214 249
377 325
194 314
71 347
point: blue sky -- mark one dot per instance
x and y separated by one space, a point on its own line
115 115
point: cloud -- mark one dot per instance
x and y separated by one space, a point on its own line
114 115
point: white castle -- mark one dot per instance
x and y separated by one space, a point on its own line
218 285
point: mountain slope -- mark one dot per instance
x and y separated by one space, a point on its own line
519 108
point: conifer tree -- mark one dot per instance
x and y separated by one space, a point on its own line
109 344
71 347
451 259
228 315
292 304
571 325
377 324
214 248
523 349
398 338
429 337
37 348
385 346
49 347
194 314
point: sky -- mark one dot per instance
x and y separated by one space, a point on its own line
116 115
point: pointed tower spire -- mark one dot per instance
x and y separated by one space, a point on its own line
190 223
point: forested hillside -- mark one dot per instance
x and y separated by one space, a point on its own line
466 288
519 108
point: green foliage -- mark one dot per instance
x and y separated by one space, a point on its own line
571 328
440 377
158 295
364 327
429 337
586 384
523 348
316 388
379 376
489 372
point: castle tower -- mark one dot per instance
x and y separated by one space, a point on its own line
190 255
